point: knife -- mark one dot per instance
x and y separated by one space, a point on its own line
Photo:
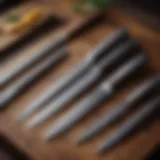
130 125
51 46
23 83
97 97
29 37
83 84
120 110
75 74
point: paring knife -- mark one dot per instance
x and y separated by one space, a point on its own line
97 97
56 105
15 89
120 110
76 73
50 47
130 125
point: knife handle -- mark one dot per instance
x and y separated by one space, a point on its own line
109 43
127 69
82 25
118 54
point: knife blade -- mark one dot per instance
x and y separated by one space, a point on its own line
96 98
75 74
120 110
130 125
83 84
19 86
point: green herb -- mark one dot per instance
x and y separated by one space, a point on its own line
88 5
12 18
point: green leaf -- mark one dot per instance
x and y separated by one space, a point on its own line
102 4
83 6
12 18
89 5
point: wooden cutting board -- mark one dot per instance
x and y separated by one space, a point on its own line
64 148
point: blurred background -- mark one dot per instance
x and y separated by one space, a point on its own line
79 79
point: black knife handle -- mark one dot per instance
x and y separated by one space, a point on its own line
127 69
118 54
82 25
109 43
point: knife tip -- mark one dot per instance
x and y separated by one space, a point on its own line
53 133
107 145
81 140
20 119
50 136
103 148
32 124
47 137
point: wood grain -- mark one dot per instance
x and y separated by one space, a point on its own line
64 147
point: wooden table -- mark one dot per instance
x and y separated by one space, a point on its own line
64 148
